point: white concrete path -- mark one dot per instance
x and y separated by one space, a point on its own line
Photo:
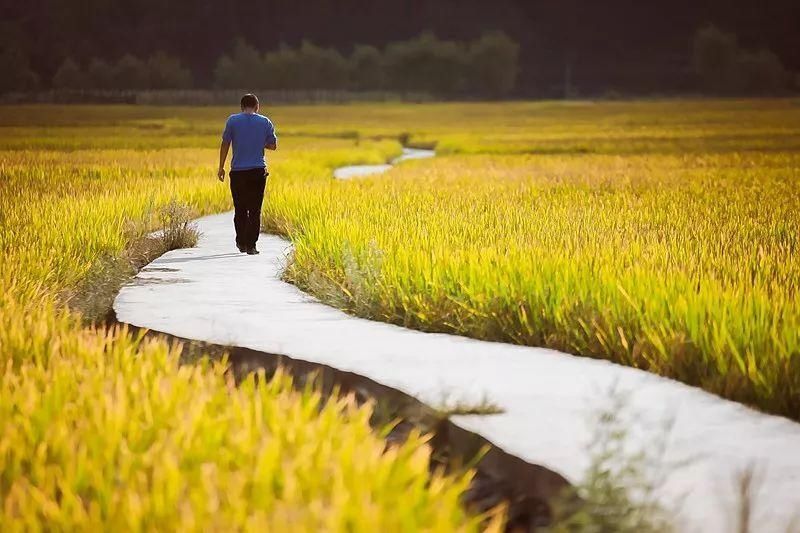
358 171
213 293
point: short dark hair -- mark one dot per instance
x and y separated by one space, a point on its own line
249 101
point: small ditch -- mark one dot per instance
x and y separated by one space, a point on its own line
526 489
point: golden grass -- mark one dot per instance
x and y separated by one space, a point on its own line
667 240
103 430
662 235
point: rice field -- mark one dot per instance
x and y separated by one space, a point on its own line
662 235
101 429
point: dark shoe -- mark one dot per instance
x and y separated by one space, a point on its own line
241 248
252 251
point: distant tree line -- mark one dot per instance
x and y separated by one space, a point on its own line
726 68
633 48
487 67
160 71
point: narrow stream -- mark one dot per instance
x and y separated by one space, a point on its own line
357 171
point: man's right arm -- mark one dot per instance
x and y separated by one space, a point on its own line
223 155
227 137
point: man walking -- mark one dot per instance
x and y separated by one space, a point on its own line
250 134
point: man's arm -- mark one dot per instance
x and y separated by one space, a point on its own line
272 138
223 155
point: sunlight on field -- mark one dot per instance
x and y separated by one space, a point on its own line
102 430
662 236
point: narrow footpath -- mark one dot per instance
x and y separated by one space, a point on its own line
213 293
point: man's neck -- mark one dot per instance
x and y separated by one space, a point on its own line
249 111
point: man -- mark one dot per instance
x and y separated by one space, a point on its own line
250 134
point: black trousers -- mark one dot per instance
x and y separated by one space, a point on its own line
247 189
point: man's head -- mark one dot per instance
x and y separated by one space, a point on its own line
249 103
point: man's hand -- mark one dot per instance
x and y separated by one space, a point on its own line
221 174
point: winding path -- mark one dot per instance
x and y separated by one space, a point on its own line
211 293
356 171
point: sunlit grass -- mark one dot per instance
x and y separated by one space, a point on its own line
100 430
679 261
662 235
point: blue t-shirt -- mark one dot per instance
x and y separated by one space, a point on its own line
249 133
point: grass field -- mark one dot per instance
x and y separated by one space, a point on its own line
103 430
662 235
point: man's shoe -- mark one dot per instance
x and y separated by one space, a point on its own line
252 251
241 248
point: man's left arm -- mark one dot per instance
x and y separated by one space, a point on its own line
272 138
